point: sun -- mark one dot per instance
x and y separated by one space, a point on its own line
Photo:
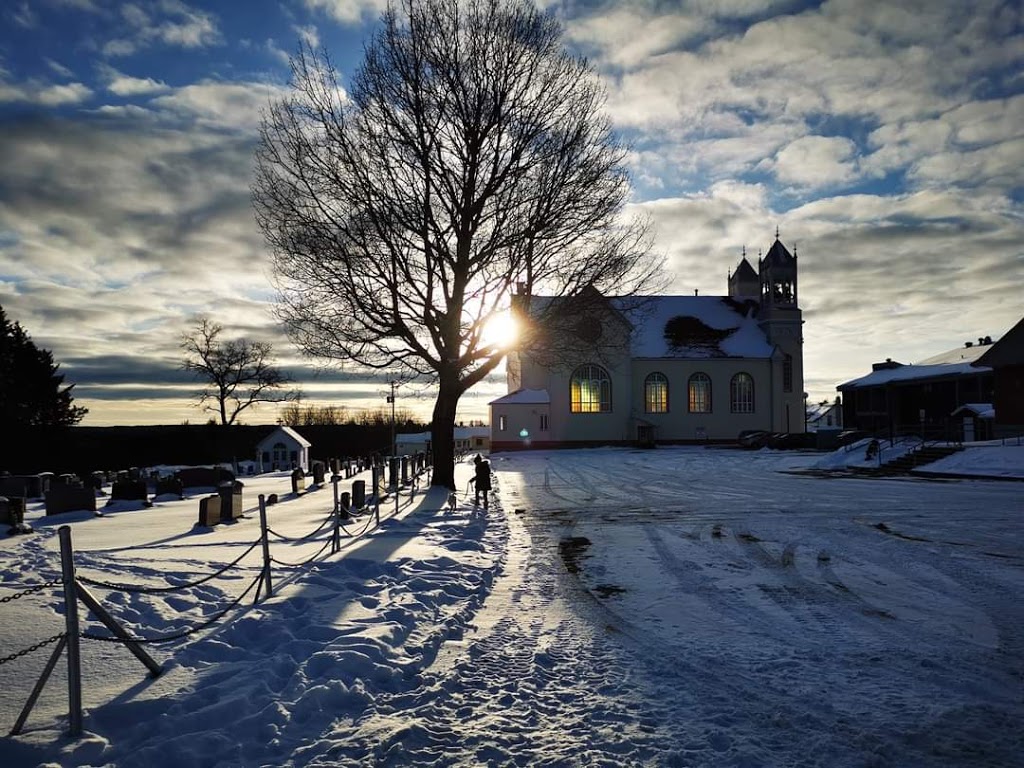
501 331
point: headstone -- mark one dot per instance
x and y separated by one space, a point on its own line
170 486
12 510
230 500
335 465
209 510
204 477
318 473
377 481
405 470
68 498
358 494
394 466
298 481
129 490
346 504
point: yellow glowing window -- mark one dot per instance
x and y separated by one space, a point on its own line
656 393
590 390
700 393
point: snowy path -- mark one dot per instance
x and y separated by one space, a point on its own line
531 683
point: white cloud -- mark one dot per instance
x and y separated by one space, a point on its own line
169 22
308 34
276 51
126 85
58 68
43 94
815 161
219 104
348 11
24 16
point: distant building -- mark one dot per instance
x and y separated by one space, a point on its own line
467 440
284 448
825 415
676 369
1006 360
920 399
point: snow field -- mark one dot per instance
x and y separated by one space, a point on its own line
679 607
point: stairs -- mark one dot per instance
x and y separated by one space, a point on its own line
908 462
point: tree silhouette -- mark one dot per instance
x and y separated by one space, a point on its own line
238 373
31 392
468 159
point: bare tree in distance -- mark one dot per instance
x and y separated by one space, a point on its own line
237 373
469 159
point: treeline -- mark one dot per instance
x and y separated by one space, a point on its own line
299 415
28 450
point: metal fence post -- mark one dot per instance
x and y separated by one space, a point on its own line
266 546
67 565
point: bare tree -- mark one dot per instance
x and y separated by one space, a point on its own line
298 415
238 373
469 157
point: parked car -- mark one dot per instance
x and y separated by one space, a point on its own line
753 439
790 440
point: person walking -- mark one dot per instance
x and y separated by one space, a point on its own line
481 479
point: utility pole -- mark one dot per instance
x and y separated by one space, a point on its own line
394 445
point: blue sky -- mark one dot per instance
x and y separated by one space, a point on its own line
884 140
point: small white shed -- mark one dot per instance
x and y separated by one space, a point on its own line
284 448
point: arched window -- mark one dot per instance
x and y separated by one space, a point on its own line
787 373
590 390
700 393
741 393
656 393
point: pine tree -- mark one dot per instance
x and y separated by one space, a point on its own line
31 392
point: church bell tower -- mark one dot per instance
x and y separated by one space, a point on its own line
782 321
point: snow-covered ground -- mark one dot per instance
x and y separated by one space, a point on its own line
681 606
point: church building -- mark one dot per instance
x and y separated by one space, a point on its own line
658 369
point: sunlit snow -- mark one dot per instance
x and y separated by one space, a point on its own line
682 606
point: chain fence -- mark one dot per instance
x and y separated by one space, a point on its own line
74 590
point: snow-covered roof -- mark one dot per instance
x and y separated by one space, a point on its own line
524 397
819 410
290 433
911 372
959 355
705 326
981 410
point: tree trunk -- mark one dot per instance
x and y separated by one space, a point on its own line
442 437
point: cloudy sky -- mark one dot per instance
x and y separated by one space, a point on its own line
884 140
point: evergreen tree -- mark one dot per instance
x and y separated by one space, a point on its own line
31 392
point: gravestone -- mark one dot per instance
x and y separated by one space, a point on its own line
230 500
346 505
129 490
170 486
12 510
69 498
318 473
335 465
204 477
394 466
405 470
358 494
209 511
271 499
298 481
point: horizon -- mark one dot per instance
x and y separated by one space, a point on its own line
884 143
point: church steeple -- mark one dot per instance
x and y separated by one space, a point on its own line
778 273
743 283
